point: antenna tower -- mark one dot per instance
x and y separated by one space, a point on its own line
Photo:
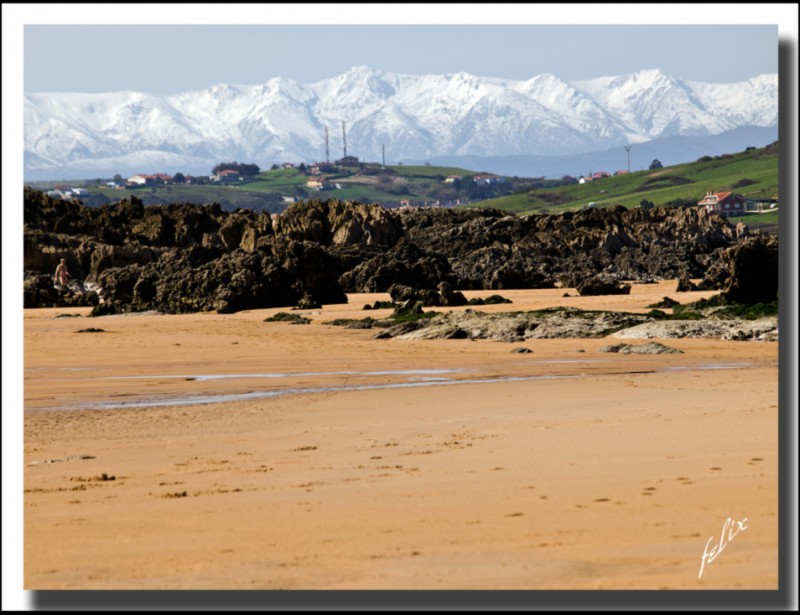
383 154
344 139
327 149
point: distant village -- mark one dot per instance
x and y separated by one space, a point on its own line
726 203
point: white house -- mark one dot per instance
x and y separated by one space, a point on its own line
487 178
227 176
142 180
318 183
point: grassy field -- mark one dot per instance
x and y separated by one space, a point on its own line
280 180
356 193
426 172
417 181
766 221
167 194
753 174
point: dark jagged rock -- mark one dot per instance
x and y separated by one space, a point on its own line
39 290
450 297
753 267
685 285
279 273
596 286
185 257
404 264
335 222
408 296
490 300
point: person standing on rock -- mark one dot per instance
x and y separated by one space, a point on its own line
62 273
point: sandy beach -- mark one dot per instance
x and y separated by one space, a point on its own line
210 451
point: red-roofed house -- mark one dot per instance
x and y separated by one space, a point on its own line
227 176
725 203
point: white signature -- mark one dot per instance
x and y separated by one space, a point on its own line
729 530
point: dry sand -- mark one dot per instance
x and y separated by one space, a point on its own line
614 475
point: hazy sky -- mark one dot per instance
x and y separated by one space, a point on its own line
167 59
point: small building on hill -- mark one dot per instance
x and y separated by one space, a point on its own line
317 182
725 203
228 176
487 179
141 179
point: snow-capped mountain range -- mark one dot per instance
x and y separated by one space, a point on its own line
415 118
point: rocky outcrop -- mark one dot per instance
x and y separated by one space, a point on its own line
646 348
520 326
340 223
186 257
753 267
405 264
597 286
39 290
278 273
763 329
443 296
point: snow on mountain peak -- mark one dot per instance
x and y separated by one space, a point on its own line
414 117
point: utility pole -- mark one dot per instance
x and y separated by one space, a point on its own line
628 149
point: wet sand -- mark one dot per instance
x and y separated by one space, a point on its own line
212 451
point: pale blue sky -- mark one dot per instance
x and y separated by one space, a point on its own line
166 59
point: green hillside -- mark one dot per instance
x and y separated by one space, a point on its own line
367 183
753 174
